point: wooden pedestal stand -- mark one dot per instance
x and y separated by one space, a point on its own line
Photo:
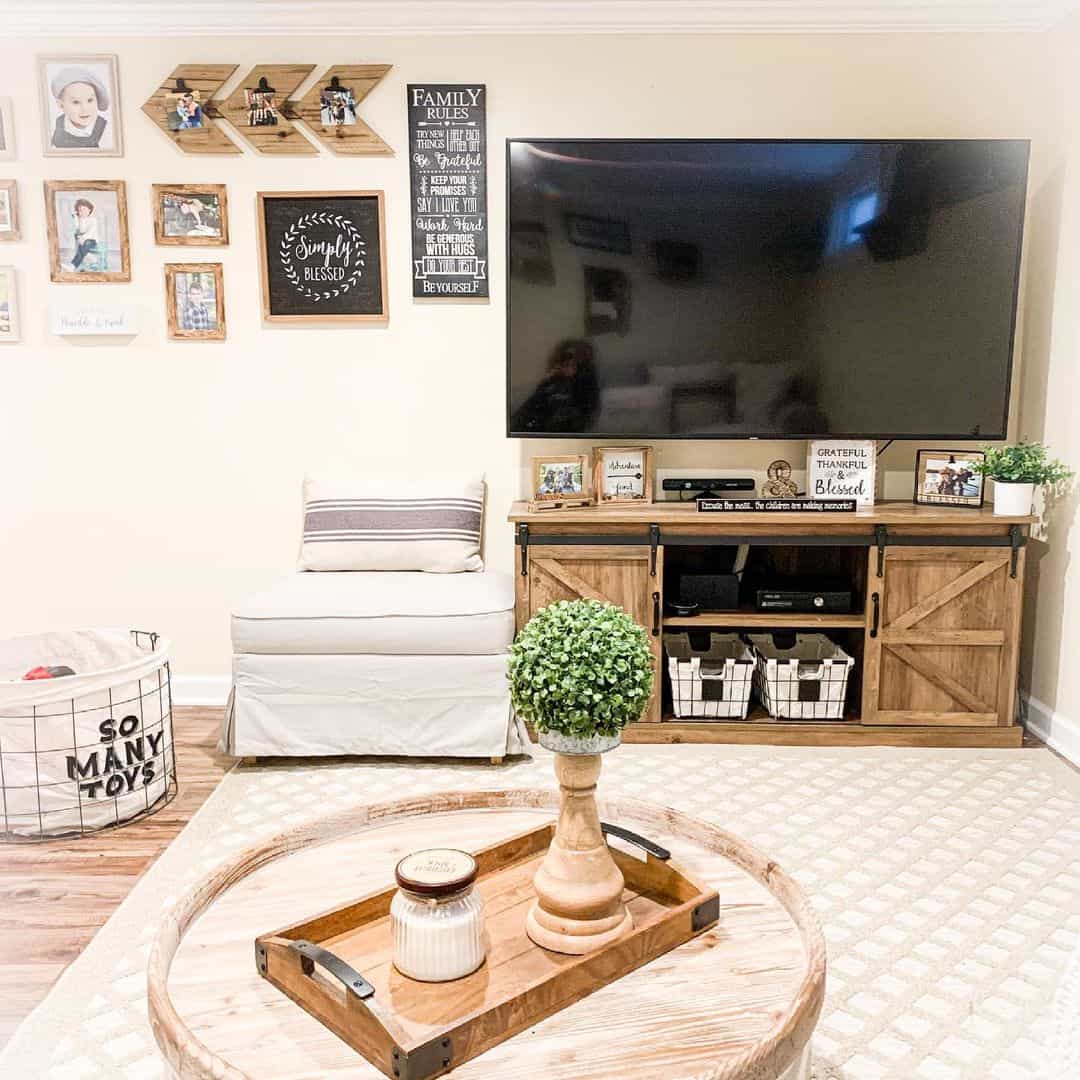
579 889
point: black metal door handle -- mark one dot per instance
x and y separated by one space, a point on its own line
349 977
875 600
655 614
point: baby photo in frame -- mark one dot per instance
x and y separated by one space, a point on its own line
80 106
949 478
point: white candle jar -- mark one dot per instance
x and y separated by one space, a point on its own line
436 917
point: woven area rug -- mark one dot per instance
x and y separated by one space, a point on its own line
948 883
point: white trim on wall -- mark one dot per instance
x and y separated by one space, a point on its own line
1060 733
338 18
206 690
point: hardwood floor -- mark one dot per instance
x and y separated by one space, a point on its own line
54 896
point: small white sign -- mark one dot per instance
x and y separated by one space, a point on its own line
842 469
93 319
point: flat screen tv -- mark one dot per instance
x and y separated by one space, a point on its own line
733 289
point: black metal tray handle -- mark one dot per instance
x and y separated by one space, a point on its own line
312 955
655 850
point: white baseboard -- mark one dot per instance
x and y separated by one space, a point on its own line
211 690
1060 733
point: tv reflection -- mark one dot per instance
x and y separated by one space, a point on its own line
567 398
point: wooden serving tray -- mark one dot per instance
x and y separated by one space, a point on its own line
414 1030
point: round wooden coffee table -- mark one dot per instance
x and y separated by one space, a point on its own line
740 1001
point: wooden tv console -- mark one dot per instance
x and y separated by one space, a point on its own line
935 631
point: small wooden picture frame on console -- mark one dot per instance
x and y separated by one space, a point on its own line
559 481
948 478
623 474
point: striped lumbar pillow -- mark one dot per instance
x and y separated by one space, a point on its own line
418 525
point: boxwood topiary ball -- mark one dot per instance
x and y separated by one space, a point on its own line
580 667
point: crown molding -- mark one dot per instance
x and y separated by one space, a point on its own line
341 18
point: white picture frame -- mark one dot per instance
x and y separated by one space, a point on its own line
842 469
60 122
7 130
9 306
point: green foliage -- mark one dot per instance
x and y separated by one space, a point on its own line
580 667
1024 463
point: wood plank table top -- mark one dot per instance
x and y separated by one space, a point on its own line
739 1001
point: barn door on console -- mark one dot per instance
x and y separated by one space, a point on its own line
942 637
618 575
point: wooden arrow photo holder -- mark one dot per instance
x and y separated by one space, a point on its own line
205 80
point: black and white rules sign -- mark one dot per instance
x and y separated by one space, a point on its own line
448 174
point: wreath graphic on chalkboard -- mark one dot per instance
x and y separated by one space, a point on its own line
292 234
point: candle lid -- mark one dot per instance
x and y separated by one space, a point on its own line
436 871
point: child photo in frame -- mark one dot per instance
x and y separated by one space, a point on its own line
9 211
559 480
195 301
88 230
80 106
949 478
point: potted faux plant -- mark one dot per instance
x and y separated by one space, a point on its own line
580 671
1017 471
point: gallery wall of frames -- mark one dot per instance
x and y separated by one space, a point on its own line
321 253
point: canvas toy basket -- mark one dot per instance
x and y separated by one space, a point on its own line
806 682
87 751
712 683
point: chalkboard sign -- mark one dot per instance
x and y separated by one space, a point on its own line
321 256
448 174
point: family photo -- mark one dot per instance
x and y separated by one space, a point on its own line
337 105
87 222
184 110
261 106
559 478
195 301
190 214
943 477
80 106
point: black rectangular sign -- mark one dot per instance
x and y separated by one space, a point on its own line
448 182
776 506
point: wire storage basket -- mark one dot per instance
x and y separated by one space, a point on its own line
805 682
712 683
85 751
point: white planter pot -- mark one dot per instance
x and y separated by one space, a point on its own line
576 744
1013 499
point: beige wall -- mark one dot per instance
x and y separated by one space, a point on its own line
153 483
1049 409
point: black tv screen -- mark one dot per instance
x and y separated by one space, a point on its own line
722 289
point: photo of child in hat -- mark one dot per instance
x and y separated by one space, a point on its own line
80 105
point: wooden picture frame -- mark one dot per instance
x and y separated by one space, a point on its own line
608 470
7 130
165 224
180 326
101 69
9 210
9 306
70 192
929 474
546 489
338 286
